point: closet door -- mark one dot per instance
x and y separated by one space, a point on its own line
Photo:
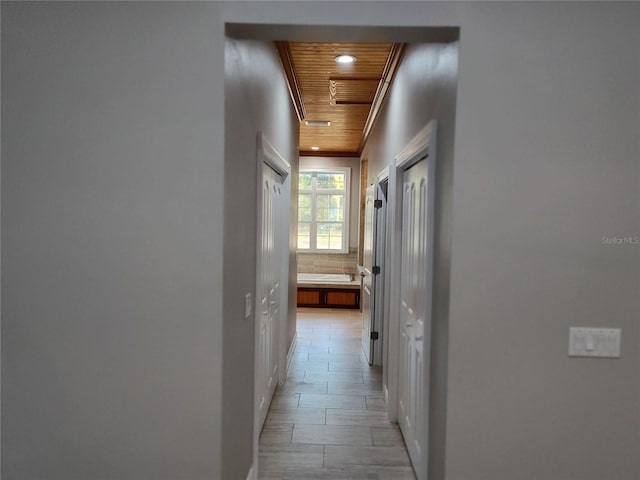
270 285
414 313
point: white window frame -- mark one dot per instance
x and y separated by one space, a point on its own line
313 223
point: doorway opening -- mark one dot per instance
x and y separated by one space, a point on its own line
338 369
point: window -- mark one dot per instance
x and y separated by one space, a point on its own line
323 210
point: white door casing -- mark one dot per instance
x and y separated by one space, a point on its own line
385 283
415 173
373 273
368 278
269 314
380 255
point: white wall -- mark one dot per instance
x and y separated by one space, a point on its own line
256 99
354 198
111 241
112 245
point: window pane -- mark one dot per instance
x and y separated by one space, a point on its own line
304 181
335 243
304 237
330 208
333 181
304 207
329 236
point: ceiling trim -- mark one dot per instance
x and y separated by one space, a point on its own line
292 79
318 153
390 69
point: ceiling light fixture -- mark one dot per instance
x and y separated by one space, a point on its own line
315 148
317 123
345 59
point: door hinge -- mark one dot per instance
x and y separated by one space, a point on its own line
375 270
377 204
374 335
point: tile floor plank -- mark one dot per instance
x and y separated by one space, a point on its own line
332 401
276 434
349 473
298 415
332 435
345 377
274 460
387 436
376 403
291 387
365 418
354 389
335 456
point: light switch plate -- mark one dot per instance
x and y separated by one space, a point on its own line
594 342
247 305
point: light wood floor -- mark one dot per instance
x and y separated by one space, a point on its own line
329 420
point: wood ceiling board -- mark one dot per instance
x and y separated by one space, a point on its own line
347 123
353 91
315 65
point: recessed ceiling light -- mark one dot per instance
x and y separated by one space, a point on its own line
315 148
345 59
317 123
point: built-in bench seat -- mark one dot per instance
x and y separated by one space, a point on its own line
328 291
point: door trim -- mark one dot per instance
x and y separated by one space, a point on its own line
266 154
383 175
422 145
381 260
418 147
385 280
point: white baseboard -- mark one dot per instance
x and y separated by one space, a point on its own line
251 475
292 349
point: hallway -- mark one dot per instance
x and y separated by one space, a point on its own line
329 420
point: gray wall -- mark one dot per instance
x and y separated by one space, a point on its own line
256 99
546 165
112 206
424 89
111 241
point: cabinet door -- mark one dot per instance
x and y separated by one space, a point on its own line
342 298
308 297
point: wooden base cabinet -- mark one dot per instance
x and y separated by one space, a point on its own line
328 297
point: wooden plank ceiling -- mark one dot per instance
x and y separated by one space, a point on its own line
347 95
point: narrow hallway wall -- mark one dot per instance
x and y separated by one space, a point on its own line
424 89
256 99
